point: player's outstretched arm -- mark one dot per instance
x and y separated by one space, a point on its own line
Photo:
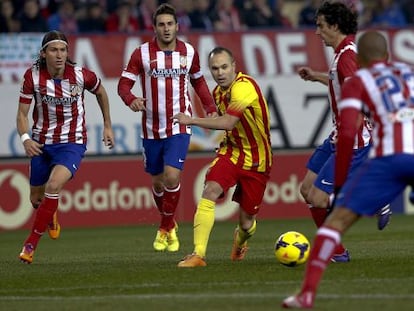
224 122
308 74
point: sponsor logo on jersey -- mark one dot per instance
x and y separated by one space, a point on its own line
168 72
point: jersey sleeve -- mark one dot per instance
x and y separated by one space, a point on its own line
134 66
92 82
26 88
200 85
347 66
243 94
350 118
352 88
129 76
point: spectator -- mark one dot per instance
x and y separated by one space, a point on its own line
364 14
8 21
279 13
388 13
134 7
407 7
122 19
183 18
308 12
200 16
258 14
30 19
49 7
94 20
64 19
226 16
146 11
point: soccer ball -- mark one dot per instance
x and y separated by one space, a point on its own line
292 249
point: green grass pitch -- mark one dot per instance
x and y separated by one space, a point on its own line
115 268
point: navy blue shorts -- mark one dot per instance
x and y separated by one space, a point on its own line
320 156
325 179
68 154
171 151
376 183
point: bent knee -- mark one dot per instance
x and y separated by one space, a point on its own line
318 198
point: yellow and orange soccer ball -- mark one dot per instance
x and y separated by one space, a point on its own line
292 249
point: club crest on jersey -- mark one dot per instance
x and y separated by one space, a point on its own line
75 90
183 61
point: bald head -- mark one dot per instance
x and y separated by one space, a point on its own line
372 47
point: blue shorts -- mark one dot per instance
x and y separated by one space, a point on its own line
376 183
320 156
170 151
325 179
68 154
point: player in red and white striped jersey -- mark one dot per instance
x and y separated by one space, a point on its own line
385 92
58 141
165 67
337 26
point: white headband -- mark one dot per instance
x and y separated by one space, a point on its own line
53 41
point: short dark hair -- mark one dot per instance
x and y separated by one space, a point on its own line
164 8
220 49
337 13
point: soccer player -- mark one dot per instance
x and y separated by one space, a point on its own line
385 90
244 157
337 26
58 140
165 65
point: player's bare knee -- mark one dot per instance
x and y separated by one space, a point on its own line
53 186
212 191
319 201
35 200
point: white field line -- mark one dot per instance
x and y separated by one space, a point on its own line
118 287
198 296
47 294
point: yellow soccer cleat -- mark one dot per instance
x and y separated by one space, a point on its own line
27 253
191 261
161 241
172 240
53 229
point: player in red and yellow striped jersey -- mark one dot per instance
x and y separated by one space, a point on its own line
244 158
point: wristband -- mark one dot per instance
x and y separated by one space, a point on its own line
24 137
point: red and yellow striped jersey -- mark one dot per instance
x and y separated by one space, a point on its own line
248 143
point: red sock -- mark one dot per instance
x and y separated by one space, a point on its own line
318 215
322 250
340 249
170 202
44 215
158 198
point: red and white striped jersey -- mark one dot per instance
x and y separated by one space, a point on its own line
344 66
59 111
386 93
165 77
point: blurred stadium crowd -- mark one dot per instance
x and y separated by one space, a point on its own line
131 16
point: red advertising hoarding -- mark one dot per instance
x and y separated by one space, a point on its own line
117 191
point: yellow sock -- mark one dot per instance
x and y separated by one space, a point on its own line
244 235
203 224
